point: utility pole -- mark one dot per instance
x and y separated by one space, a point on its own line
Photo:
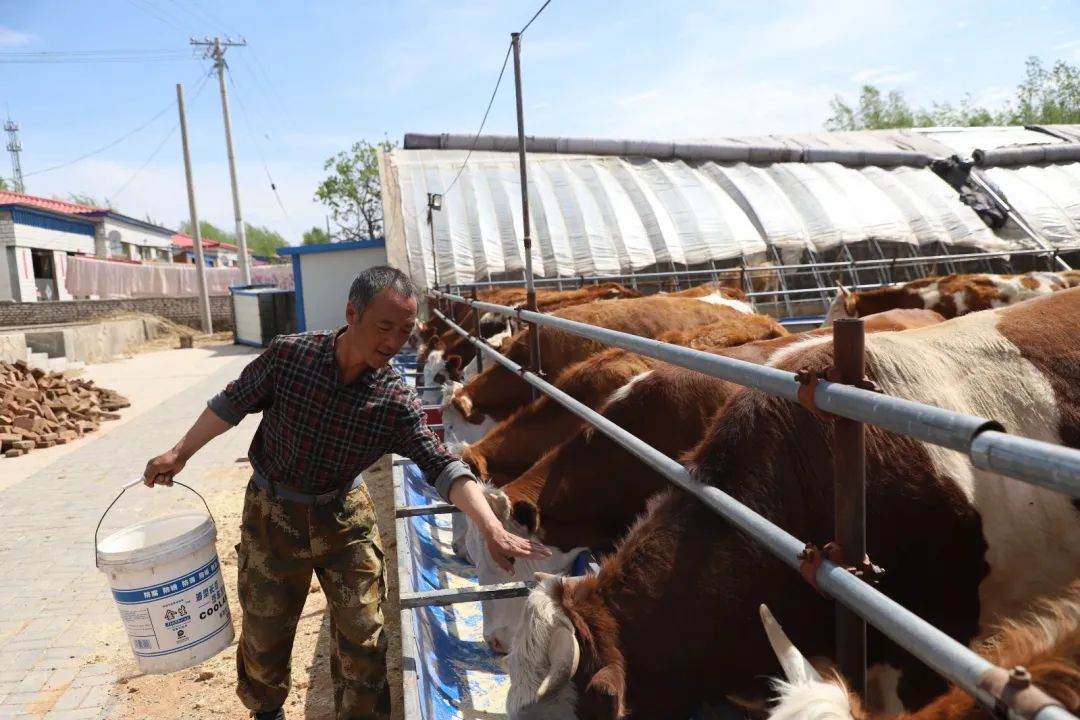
15 147
200 265
216 50
530 286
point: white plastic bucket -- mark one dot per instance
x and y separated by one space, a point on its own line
167 584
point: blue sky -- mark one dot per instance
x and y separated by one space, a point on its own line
318 75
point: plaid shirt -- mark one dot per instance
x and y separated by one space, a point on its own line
318 433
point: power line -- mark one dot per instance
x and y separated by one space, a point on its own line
188 11
87 57
482 122
194 97
158 13
103 148
258 149
534 17
98 51
268 87
491 101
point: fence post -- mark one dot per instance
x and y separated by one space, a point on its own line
477 335
849 500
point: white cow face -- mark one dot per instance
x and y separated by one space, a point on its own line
502 617
434 376
460 431
543 660
842 307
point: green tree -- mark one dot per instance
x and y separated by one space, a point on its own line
1043 97
262 240
85 199
352 191
316 236
3 184
209 231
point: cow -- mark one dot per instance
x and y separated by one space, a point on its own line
1045 641
664 624
668 407
497 392
440 368
519 441
950 295
508 449
546 301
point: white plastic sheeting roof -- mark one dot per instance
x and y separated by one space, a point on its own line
608 215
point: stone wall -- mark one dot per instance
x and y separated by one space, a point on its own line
181 310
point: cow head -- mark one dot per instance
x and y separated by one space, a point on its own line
459 427
804 695
431 343
434 377
501 617
555 644
844 305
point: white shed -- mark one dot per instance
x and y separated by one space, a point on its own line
322 275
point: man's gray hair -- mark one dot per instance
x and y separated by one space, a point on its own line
374 280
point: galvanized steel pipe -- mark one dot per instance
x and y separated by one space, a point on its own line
1033 461
947 657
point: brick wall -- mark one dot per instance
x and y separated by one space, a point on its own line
180 310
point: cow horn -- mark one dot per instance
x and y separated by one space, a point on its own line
564 653
797 668
843 290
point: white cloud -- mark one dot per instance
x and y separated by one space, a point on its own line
13 38
768 79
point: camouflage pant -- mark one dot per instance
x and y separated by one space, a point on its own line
281 543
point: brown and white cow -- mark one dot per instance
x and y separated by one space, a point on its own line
950 295
1045 641
519 441
497 392
546 301
668 622
555 500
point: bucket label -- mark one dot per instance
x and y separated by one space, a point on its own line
177 614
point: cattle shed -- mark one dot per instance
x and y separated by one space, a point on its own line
998 198
322 275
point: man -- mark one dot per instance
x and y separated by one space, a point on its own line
330 408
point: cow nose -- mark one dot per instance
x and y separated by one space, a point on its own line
498 642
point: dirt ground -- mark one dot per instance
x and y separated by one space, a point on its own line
209 688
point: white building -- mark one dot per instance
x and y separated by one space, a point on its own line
38 234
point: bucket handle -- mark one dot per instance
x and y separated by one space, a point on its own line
123 490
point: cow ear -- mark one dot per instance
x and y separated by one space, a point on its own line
436 343
500 504
851 305
605 695
453 364
527 515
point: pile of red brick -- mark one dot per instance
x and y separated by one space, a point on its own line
40 409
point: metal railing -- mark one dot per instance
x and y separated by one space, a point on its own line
981 439
1041 463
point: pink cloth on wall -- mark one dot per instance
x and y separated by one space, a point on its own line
88 276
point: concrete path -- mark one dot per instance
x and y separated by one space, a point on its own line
55 607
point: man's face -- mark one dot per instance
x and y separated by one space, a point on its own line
384 326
